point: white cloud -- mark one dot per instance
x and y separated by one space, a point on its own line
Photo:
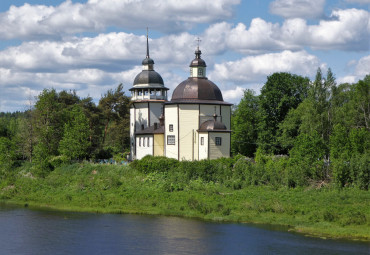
359 1
298 8
40 21
233 95
348 29
345 30
363 67
256 68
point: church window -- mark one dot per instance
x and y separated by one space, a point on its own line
139 141
202 141
170 127
144 142
218 141
148 142
200 71
191 72
171 140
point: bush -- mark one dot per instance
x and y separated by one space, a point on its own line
150 164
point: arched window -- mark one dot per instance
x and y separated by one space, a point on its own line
200 71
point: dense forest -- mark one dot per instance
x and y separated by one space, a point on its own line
296 132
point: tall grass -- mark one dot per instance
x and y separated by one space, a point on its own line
222 190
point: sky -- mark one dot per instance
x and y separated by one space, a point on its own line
92 46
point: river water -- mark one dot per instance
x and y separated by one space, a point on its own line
36 231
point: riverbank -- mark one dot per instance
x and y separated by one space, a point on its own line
324 212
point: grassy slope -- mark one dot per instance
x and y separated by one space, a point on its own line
118 189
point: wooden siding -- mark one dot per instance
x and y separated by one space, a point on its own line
155 112
203 149
171 151
158 144
188 125
141 115
219 151
141 150
226 115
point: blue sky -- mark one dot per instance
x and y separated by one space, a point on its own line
92 46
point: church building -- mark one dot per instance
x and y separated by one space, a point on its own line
193 125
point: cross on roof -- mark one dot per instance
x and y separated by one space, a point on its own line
198 41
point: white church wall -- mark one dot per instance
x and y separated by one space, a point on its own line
188 125
155 112
171 150
226 114
141 115
206 112
203 146
144 146
216 151
132 130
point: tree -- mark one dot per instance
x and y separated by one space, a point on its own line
75 142
281 93
244 125
114 105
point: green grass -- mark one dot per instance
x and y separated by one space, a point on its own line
324 212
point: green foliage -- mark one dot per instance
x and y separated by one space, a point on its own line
123 189
75 142
243 124
306 160
281 93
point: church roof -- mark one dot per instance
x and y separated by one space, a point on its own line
198 61
197 90
148 77
151 130
213 125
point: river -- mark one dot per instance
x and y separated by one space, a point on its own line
39 231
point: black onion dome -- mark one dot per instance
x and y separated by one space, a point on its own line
148 77
197 61
211 125
197 89
147 61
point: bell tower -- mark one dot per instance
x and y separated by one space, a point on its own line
148 95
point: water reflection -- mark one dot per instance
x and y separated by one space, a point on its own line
25 231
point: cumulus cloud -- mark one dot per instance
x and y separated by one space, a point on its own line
363 66
361 69
255 68
345 30
298 8
110 52
40 21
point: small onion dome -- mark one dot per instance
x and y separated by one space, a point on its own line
197 90
212 125
148 77
147 61
197 61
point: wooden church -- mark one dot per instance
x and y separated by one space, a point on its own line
193 125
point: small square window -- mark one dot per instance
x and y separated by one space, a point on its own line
171 140
218 141
202 141
170 127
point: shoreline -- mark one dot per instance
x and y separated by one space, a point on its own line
325 213
280 227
